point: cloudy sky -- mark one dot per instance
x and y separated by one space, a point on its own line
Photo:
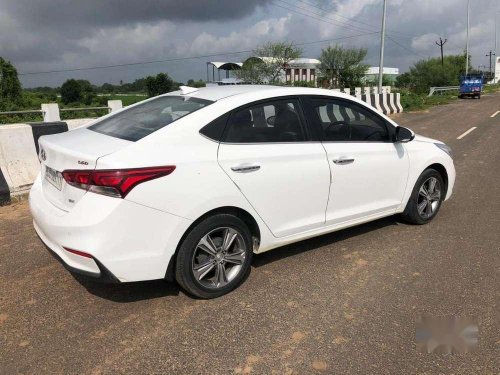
54 35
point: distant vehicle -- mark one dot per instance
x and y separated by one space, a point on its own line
190 184
471 85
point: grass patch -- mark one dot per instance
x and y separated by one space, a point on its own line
418 102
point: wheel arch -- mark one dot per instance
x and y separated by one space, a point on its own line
441 169
244 215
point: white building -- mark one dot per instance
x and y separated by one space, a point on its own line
302 69
372 73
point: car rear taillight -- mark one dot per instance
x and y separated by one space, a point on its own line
114 182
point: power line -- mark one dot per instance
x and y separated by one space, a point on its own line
323 20
341 23
405 48
337 15
357 21
185 58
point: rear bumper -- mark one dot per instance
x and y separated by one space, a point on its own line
104 275
127 241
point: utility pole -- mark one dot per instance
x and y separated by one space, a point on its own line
382 40
467 43
441 44
490 54
496 51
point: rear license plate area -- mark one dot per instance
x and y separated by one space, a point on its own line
54 177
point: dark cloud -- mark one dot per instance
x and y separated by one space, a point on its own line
54 13
47 35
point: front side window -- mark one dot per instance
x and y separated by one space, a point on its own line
273 121
345 121
137 122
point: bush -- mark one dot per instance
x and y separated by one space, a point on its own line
304 84
428 73
193 83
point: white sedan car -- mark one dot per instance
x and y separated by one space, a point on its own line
190 184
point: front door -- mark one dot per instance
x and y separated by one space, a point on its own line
369 171
267 153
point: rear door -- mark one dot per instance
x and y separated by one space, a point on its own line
369 171
268 153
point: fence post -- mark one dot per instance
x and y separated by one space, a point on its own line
50 112
115 105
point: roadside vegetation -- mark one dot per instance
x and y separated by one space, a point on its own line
414 85
75 94
339 68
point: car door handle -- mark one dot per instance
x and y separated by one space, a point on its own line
245 168
343 161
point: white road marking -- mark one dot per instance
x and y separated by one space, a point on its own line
494 114
467 132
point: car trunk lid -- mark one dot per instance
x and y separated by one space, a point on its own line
78 149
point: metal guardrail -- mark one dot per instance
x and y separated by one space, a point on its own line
50 111
29 111
21 112
83 109
441 89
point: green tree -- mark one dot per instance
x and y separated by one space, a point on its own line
71 92
268 62
430 73
87 91
10 87
159 84
342 67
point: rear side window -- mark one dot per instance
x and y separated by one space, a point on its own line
137 122
215 129
272 121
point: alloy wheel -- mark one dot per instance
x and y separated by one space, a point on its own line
219 257
429 198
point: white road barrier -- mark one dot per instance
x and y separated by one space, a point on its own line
19 163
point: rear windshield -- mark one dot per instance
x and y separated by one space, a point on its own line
139 121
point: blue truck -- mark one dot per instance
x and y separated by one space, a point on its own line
471 85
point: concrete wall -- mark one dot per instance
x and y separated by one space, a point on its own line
19 163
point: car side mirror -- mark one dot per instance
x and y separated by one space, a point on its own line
404 135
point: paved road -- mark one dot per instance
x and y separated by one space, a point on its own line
341 303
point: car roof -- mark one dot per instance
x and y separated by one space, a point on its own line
215 93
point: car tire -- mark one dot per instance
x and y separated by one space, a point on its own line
426 198
205 267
